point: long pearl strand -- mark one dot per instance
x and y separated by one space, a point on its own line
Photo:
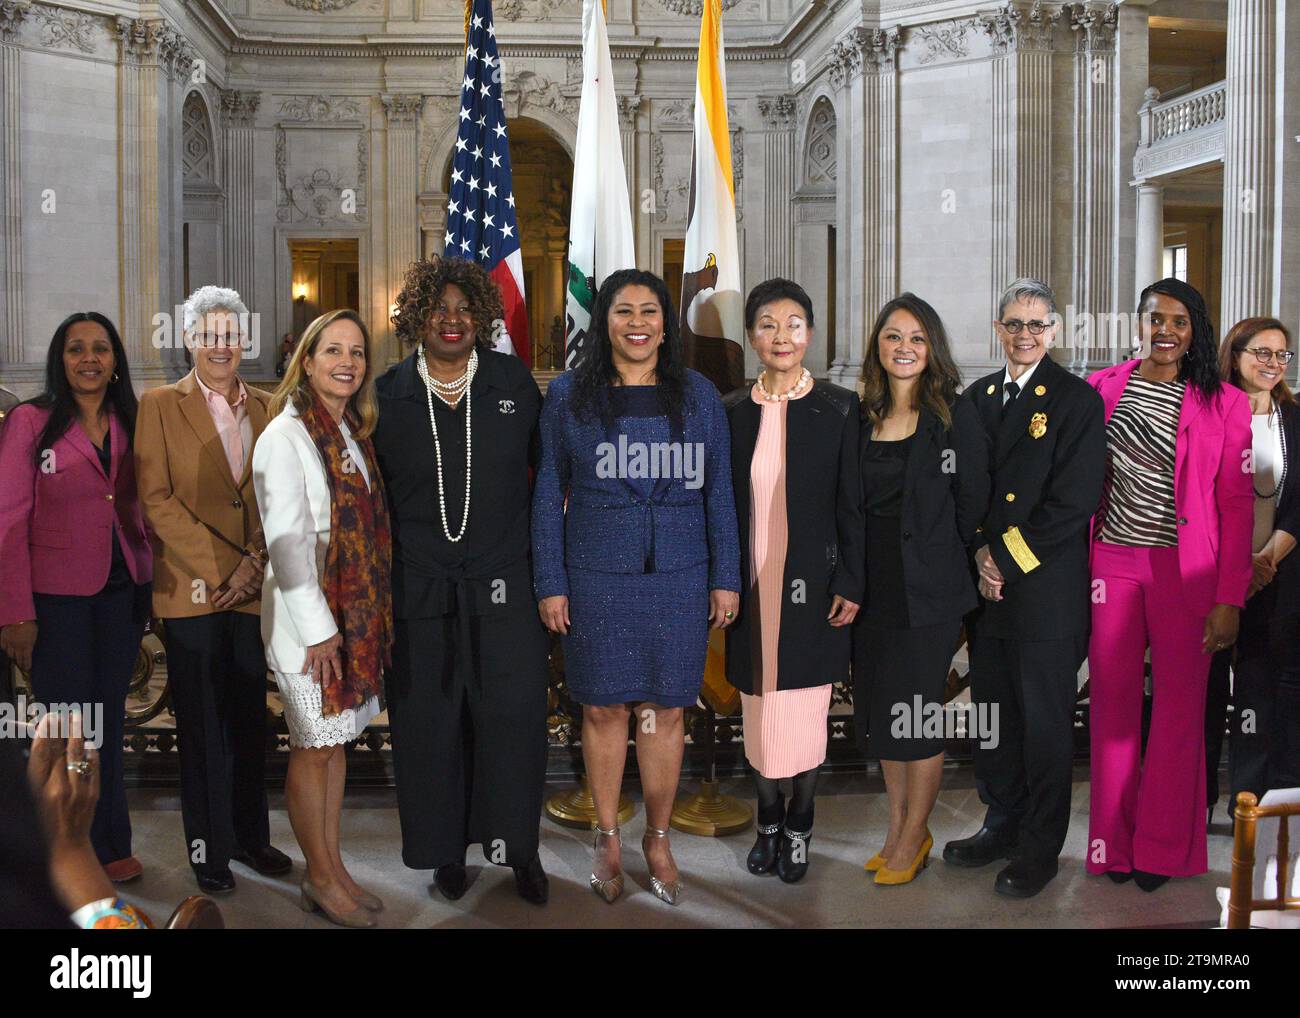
804 377
450 393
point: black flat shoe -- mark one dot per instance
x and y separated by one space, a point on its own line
266 860
1023 878
792 860
981 848
215 881
451 880
767 846
1148 881
532 883
1119 876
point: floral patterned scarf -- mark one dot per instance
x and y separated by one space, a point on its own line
357 578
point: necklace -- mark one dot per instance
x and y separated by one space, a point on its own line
1281 435
805 376
449 393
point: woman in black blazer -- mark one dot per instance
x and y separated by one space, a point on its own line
925 479
794 457
1264 745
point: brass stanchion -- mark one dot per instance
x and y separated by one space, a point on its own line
576 808
708 812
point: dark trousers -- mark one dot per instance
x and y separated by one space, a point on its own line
217 673
85 651
1264 744
1025 780
1218 694
469 751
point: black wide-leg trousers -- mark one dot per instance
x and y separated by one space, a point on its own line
469 737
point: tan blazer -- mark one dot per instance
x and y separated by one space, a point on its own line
202 521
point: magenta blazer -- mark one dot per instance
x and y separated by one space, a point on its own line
55 526
1213 494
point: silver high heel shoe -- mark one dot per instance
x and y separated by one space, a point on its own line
669 891
613 887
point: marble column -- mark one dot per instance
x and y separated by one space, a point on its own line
139 179
1150 235
239 126
176 60
778 113
11 232
627 115
403 180
1093 280
1248 165
1021 35
869 60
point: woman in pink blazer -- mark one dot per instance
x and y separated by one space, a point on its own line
75 597
1170 565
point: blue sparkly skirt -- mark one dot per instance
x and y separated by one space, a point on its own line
637 637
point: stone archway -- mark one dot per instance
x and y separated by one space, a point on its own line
816 234
541 164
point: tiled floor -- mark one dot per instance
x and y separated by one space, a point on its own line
720 892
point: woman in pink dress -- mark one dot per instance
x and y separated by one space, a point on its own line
799 504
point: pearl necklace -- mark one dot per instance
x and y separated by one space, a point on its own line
1274 411
450 393
805 376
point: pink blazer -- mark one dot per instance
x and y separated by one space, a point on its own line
1213 495
55 525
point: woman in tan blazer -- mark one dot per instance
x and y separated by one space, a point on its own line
194 454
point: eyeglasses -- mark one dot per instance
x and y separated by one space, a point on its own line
1264 355
1036 328
449 314
208 340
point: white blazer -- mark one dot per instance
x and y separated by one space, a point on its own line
294 500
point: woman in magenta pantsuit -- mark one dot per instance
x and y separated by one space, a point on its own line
1171 565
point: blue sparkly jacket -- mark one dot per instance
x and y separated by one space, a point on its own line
614 526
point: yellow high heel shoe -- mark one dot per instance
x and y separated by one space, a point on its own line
876 862
887 877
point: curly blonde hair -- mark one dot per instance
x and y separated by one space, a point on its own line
422 289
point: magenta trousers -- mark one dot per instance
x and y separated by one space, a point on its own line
1147 812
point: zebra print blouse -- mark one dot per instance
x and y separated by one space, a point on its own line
1137 503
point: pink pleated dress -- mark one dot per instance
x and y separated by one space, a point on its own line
784 729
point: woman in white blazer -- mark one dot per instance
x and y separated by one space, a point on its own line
326 598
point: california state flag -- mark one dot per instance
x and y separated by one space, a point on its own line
600 218
712 311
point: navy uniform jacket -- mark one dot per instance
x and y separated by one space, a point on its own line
1048 463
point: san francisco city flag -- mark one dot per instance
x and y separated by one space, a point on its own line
600 217
712 311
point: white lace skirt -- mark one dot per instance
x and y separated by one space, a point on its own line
302 712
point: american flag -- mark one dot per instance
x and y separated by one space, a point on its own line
481 223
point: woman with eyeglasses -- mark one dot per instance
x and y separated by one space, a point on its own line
1264 745
1171 567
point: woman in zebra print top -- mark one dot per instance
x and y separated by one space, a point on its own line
1171 565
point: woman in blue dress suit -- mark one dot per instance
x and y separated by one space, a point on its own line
646 558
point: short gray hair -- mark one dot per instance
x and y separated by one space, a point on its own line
1027 288
207 299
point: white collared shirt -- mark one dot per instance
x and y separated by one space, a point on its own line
1022 381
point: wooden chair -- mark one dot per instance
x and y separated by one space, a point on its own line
1241 896
196 913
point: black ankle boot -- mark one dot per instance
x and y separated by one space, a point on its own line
792 863
762 857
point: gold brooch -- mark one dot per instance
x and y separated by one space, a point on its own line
1038 425
1040 390
990 390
